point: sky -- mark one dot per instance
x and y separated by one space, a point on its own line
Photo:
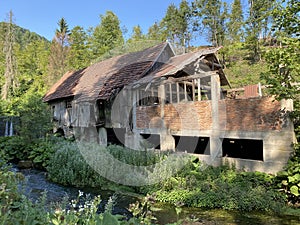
42 16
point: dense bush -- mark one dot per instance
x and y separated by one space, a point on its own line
14 149
220 187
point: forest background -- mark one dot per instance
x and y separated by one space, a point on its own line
260 44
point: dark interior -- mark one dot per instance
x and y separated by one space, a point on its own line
243 148
195 145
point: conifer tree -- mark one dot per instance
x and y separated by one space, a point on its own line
212 14
58 52
79 54
176 24
235 24
257 25
107 35
10 75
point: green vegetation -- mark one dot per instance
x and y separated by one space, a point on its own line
222 187
36 63
15 208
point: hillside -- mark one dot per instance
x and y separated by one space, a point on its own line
23 36
239 69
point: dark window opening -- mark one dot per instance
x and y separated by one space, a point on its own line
152 139
68 104
101 118
116 136
148 98
243 148
194 145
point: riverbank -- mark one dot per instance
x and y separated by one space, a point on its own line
36 183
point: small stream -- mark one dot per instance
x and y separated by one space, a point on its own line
36 184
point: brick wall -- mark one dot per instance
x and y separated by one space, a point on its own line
148 116
257 114
189 115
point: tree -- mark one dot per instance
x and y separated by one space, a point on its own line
58 52
137 34
283 75
176 24
235 23
156 32
32 65
79 54
107 35
10 75
35 116
212 14
257 25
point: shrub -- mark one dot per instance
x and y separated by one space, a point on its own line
221 187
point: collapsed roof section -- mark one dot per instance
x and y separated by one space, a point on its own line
106 78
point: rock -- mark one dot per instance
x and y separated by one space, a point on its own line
25 164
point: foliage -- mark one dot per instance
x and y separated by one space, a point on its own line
129 47
59 51
220 187
15 148
213 15
176 24
284 69
284 72
23 36
9 192
67 165
235 23
79 54
34 116
257 26
18 209
142 210
107 35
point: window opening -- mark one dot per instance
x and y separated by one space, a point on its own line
243 148
194 145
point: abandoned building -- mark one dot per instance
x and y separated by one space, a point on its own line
173 102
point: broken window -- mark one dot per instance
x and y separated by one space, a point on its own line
243 148
191 144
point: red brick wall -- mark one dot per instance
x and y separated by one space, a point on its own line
190 115
257 114
146 115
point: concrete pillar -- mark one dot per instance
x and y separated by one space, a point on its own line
132 140
102 136
167 142
162 99
134 104
215 141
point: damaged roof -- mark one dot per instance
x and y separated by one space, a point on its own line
102 79
65 87
188 63
106 78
